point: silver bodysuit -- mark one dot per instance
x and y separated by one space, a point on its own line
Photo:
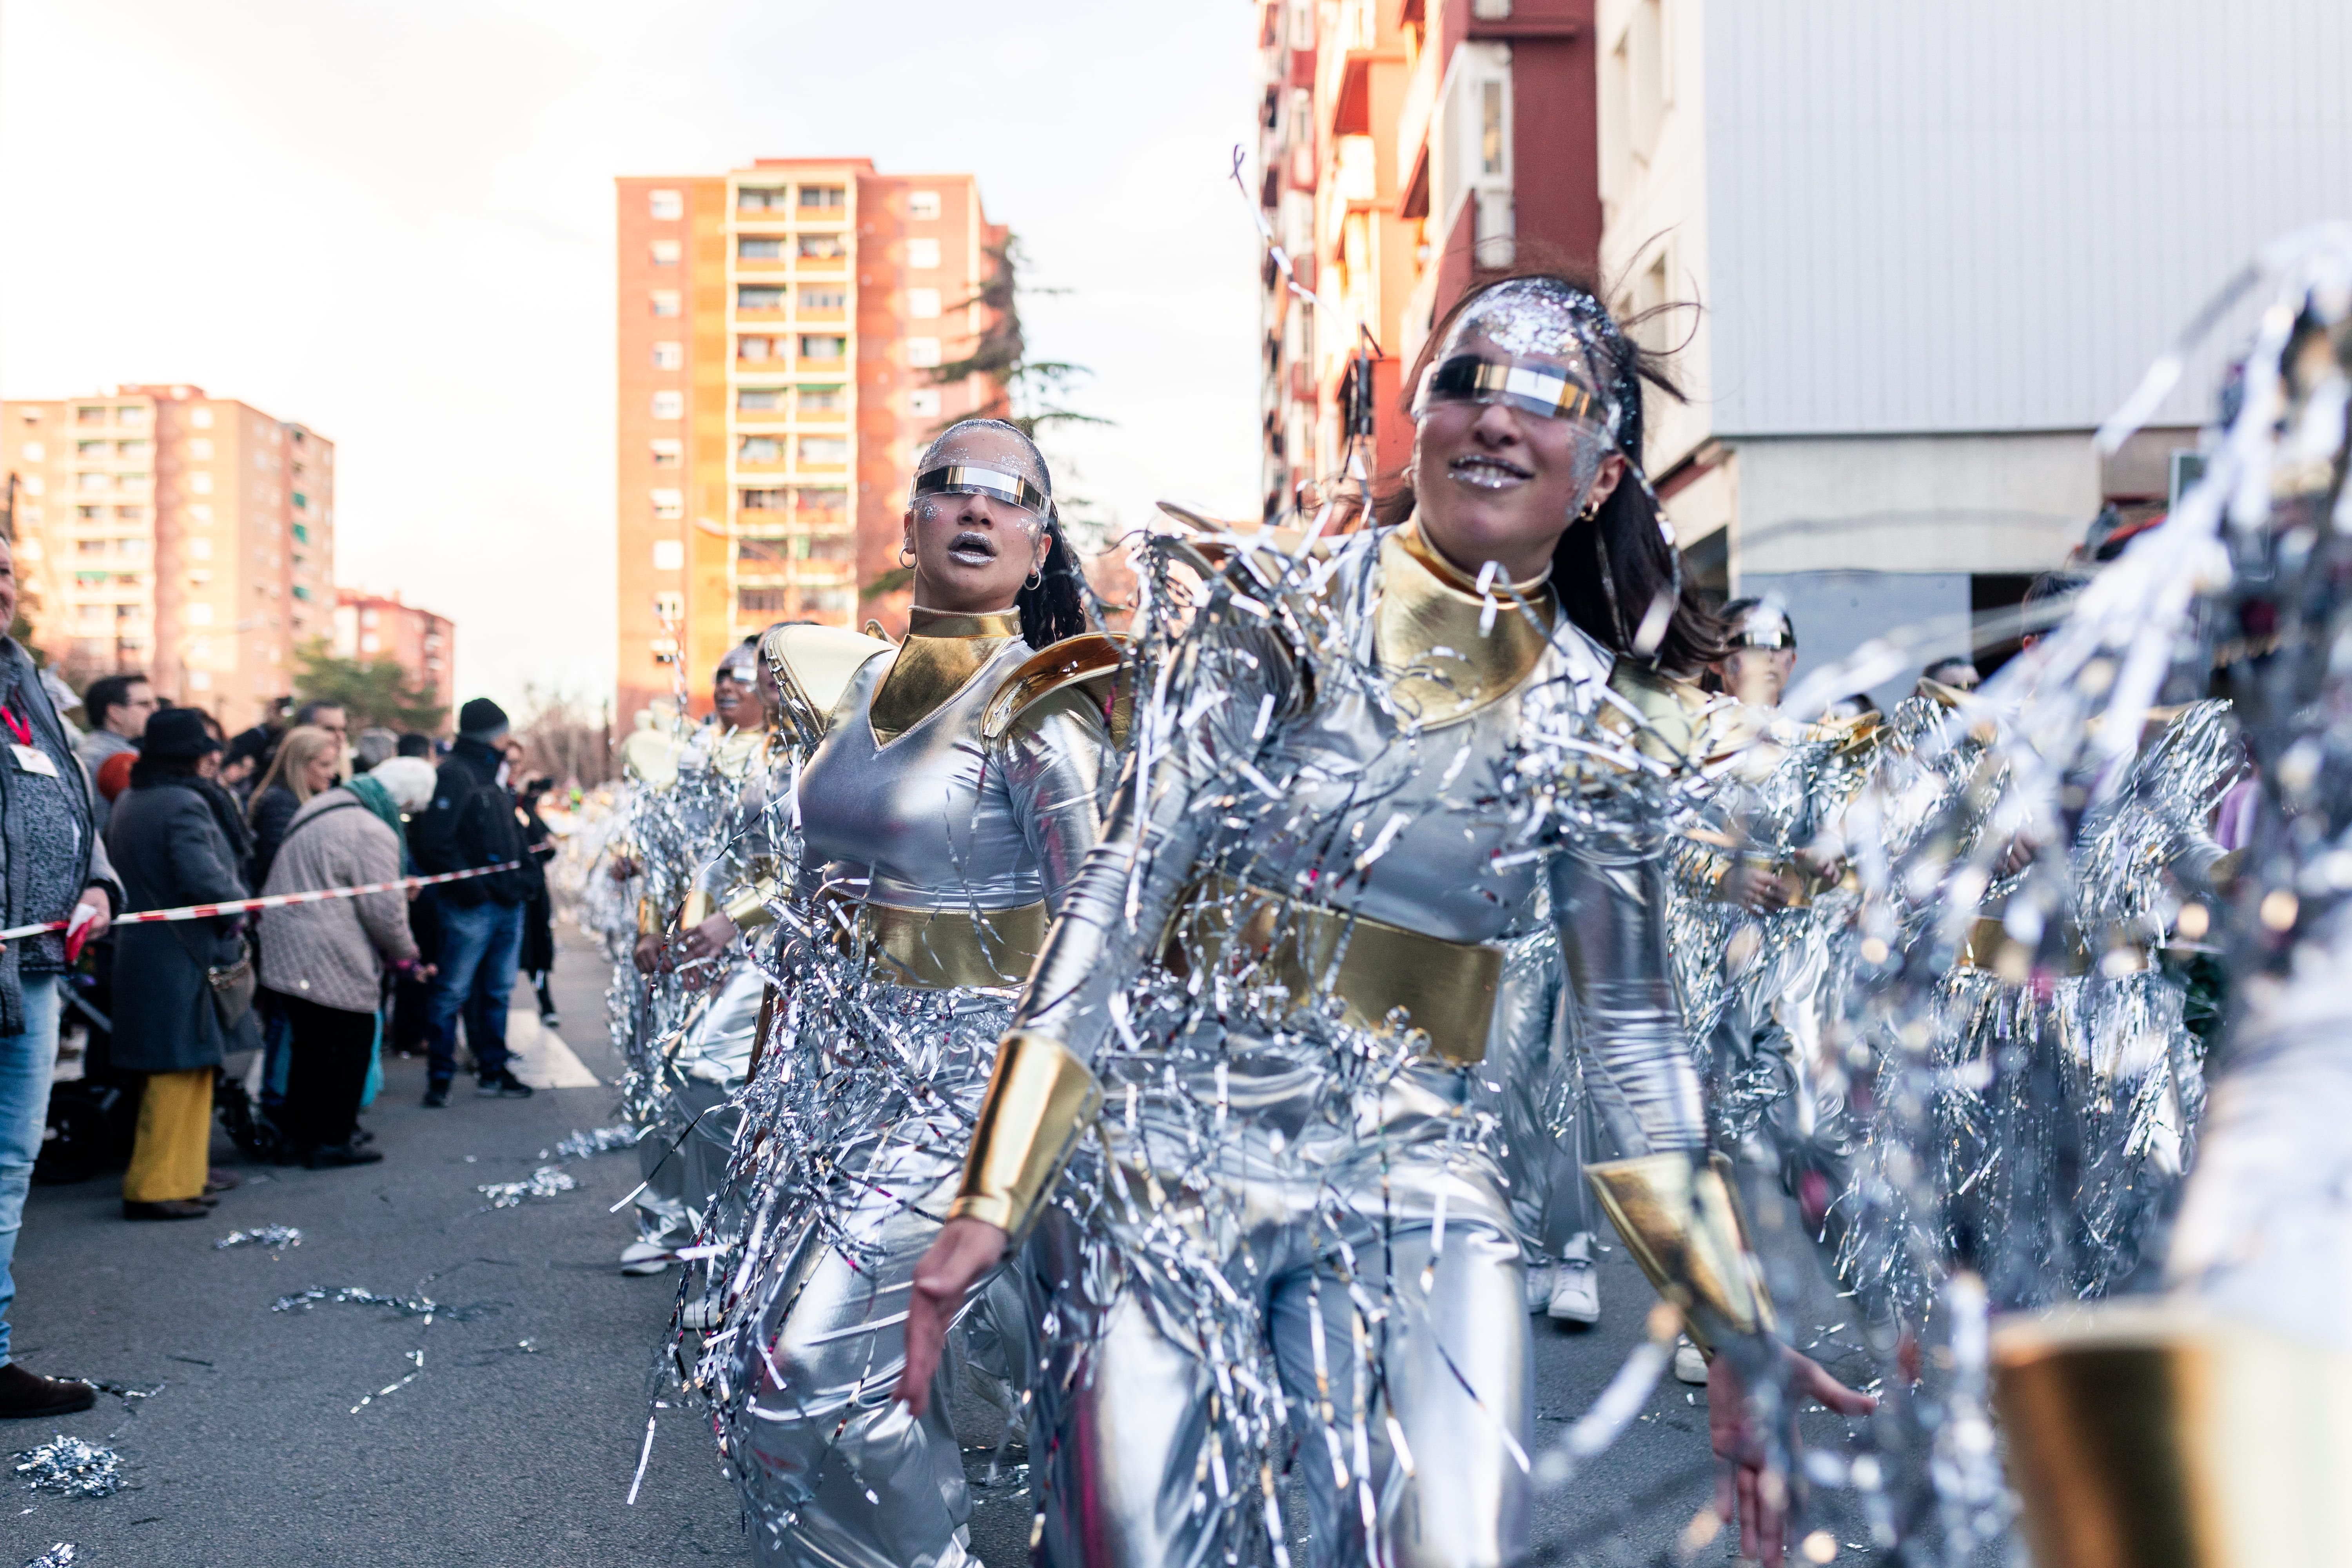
1297 1217
858 1115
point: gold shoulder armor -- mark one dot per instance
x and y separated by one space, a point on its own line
813 666
1092 659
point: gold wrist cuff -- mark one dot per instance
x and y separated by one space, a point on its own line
649 923
2150 1434
695 911
749 907
1681 1223
1038 1099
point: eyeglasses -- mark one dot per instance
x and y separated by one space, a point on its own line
1544 390
970 480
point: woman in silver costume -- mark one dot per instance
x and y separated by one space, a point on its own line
943 818
1277 977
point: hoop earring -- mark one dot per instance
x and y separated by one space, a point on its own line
1591 511
1036 578
905 556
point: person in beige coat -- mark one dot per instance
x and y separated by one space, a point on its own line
324 963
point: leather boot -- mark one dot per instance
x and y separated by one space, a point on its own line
26 1394
167 1208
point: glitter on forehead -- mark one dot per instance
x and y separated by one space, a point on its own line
1546 316
988 443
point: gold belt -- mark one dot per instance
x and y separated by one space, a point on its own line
1981 949
942 950
1446 989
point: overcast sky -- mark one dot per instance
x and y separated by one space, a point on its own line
394 223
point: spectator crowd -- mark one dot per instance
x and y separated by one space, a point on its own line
116 801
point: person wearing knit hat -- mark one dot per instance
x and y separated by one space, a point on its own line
470 824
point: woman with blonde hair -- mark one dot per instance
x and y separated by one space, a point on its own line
307 763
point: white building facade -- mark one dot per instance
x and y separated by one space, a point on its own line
1933 245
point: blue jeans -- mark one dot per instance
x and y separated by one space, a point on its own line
27 1062
479 946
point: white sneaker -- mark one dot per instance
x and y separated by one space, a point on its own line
645 1258
1575 1287
1539 1283
1689 1366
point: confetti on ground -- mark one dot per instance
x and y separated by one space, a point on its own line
416 1356
71 1467
598 1141
61 1555
409 1305
545 1182
273 1236
123 1391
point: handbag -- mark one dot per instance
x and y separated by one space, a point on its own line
233 985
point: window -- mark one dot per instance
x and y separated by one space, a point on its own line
671 607
822 248
87 512
199 615
89 481
200 418
922 353
89 547
923 206
201 449
761 500
302 532
922 253
759 248
923 304
200 548
831 547
923 403
823 449
824 347
823 508
762 552
757 198
665 207
758 349
760 601
90 451
370 643
669 356
302 503
669 555
88 415
759 296
823 199
131 413
669 405
823 299
34 452
666 252
201 515
669 452
821 400
759 449
131 513
759 397
669 506
665 303
1490 128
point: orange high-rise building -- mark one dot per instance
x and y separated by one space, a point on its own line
370 627
191 539
778 324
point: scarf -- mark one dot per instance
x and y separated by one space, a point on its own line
372 793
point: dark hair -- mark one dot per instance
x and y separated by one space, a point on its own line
2054 585
1625 531
1054 608
1949 661
106 693
309 712
415 743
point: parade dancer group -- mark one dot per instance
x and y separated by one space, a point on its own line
1209 1043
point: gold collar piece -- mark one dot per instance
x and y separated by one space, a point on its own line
1441 666
941 655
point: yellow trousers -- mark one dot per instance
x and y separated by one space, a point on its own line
175 1130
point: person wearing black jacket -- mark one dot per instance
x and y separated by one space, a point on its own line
471 823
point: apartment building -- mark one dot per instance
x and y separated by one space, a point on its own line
187 537
376 625
1936 244
778 324
1403 143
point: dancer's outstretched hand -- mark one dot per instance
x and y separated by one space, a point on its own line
961 1259
1746 1495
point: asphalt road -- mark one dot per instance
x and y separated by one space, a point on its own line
316 1435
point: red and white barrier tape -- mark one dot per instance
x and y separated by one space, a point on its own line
269 901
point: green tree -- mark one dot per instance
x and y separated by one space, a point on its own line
372 691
